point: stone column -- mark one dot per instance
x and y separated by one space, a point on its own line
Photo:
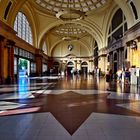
75 64
111 60
10 49
103 64
39 60
91 66
78 65
1 59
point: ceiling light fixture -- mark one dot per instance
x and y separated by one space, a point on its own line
70 14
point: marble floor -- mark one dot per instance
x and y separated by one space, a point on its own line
69 108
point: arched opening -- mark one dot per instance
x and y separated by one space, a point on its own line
23 60
70 66
116 32
23 28
84 68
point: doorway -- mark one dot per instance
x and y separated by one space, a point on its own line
70 67
23 67
84 68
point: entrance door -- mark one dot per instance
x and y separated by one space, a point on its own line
23 67
115 67
70 66
84 70
69 70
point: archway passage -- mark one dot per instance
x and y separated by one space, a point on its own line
84 68
70 68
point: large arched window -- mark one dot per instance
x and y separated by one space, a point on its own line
22 27
118 27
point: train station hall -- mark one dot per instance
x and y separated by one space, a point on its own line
69 69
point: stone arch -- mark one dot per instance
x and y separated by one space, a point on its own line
59 41
114 10
70 63
115 57
91 28
84 67
29 13
126 11
84 63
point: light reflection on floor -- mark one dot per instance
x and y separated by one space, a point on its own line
49 126
23 85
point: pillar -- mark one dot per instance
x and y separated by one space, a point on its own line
103 63
10 71
90 66
1 59
79 64
75 64
39 60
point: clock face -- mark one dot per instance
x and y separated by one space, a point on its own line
70 47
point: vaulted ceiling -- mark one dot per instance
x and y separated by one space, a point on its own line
54 6
55 21
72 19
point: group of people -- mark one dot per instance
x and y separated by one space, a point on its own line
120 76
123 76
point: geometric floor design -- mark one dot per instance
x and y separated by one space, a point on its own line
43 126
9 105
69 109
135 106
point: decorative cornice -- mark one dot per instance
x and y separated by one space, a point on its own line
133 28
132 34
7 27
10 42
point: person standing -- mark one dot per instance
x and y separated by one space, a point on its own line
119 76
108 76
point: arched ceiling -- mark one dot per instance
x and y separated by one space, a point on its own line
97 14
69 30
67 10
55 6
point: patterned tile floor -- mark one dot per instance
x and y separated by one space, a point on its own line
69 108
